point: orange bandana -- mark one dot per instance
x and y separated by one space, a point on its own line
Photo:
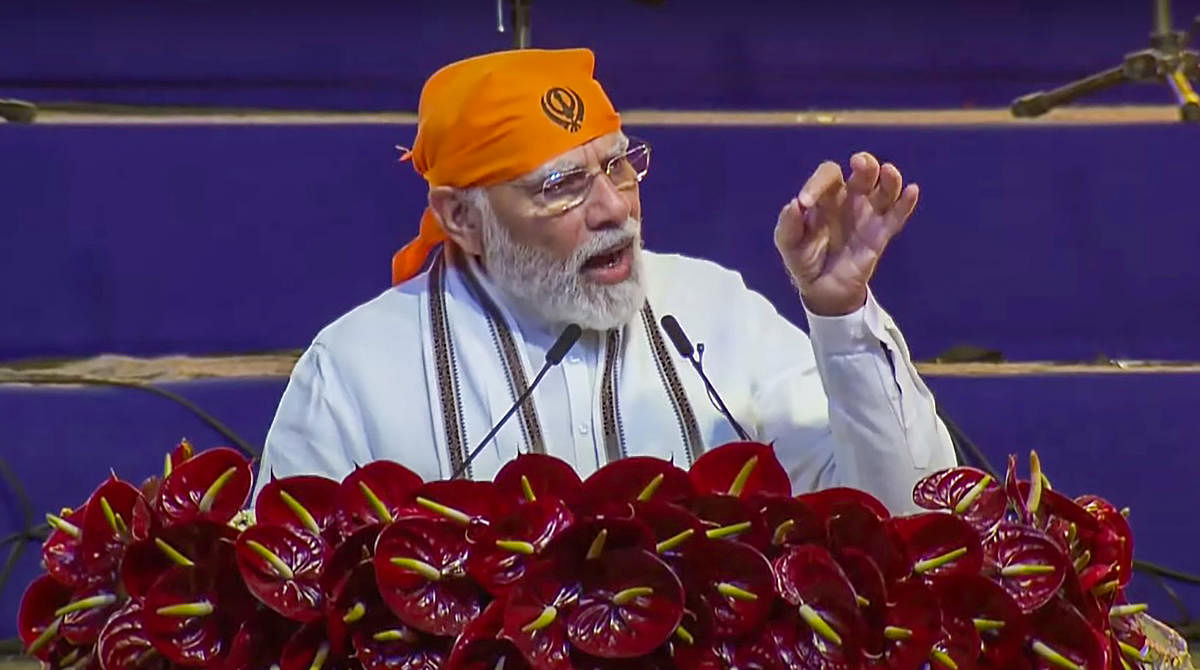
492 118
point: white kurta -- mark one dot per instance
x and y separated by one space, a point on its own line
838 411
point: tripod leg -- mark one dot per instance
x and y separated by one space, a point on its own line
1189 102
1036 104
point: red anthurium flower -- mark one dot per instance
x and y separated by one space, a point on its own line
583 541
672 528
911 625
347 556
832 633
789 522
740 469
535 615
258 642
384 643
420 566
958 646
460 500
308 649
1002 626
357 603
61 552
729 517
282 567
303 502
729 585
1126 638
629 605
375 493
37 621
198 543
86 614
967 492
480 646
939 544
503 549
1026 563
182 618
853 525
640 478
210 486
1060 632
531 477
108 523
656 660
774 648
1114 543
871 593
124 645
824 503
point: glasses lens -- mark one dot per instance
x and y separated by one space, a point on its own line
565 189
629 168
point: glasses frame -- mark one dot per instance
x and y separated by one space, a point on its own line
635 146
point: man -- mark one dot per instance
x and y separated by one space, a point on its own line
534 190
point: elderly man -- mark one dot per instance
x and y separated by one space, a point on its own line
534 200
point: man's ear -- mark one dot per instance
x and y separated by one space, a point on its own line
459 218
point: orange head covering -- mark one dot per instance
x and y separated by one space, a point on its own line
492 118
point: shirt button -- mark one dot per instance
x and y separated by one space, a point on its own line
583 429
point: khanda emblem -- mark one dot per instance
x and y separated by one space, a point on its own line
564 107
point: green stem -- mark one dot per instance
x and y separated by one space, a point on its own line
781 532
625 596
743 476
972 495
1026 570
354 613
517 546
527 489
420 567
651 488
320 657
894 633
86 604
300 511
59 523
45 638
454 515
936 562
172 553
210 496
727 531
544 619
597 545
271 557
735 592
985 625
1053 657
201 608
819 625
674 541
376 504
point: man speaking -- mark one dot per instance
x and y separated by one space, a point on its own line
535 206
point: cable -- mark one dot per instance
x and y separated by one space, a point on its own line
67 380
31 533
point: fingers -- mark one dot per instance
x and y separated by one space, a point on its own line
887 190
864 172
902 209
825 181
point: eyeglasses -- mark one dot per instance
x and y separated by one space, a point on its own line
563 191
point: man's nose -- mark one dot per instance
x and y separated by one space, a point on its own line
607 206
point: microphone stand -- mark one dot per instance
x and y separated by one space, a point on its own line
1167 60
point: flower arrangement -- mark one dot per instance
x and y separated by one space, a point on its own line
643 565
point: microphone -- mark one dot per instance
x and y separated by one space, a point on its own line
567 339
684 346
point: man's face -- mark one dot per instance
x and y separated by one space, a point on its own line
582 265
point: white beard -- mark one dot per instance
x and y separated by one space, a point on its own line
557 290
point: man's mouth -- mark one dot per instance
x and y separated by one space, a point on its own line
612 265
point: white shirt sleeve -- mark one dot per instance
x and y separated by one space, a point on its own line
317 428
881 433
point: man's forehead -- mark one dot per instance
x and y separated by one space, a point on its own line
603 146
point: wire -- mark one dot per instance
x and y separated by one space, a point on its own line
31 533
